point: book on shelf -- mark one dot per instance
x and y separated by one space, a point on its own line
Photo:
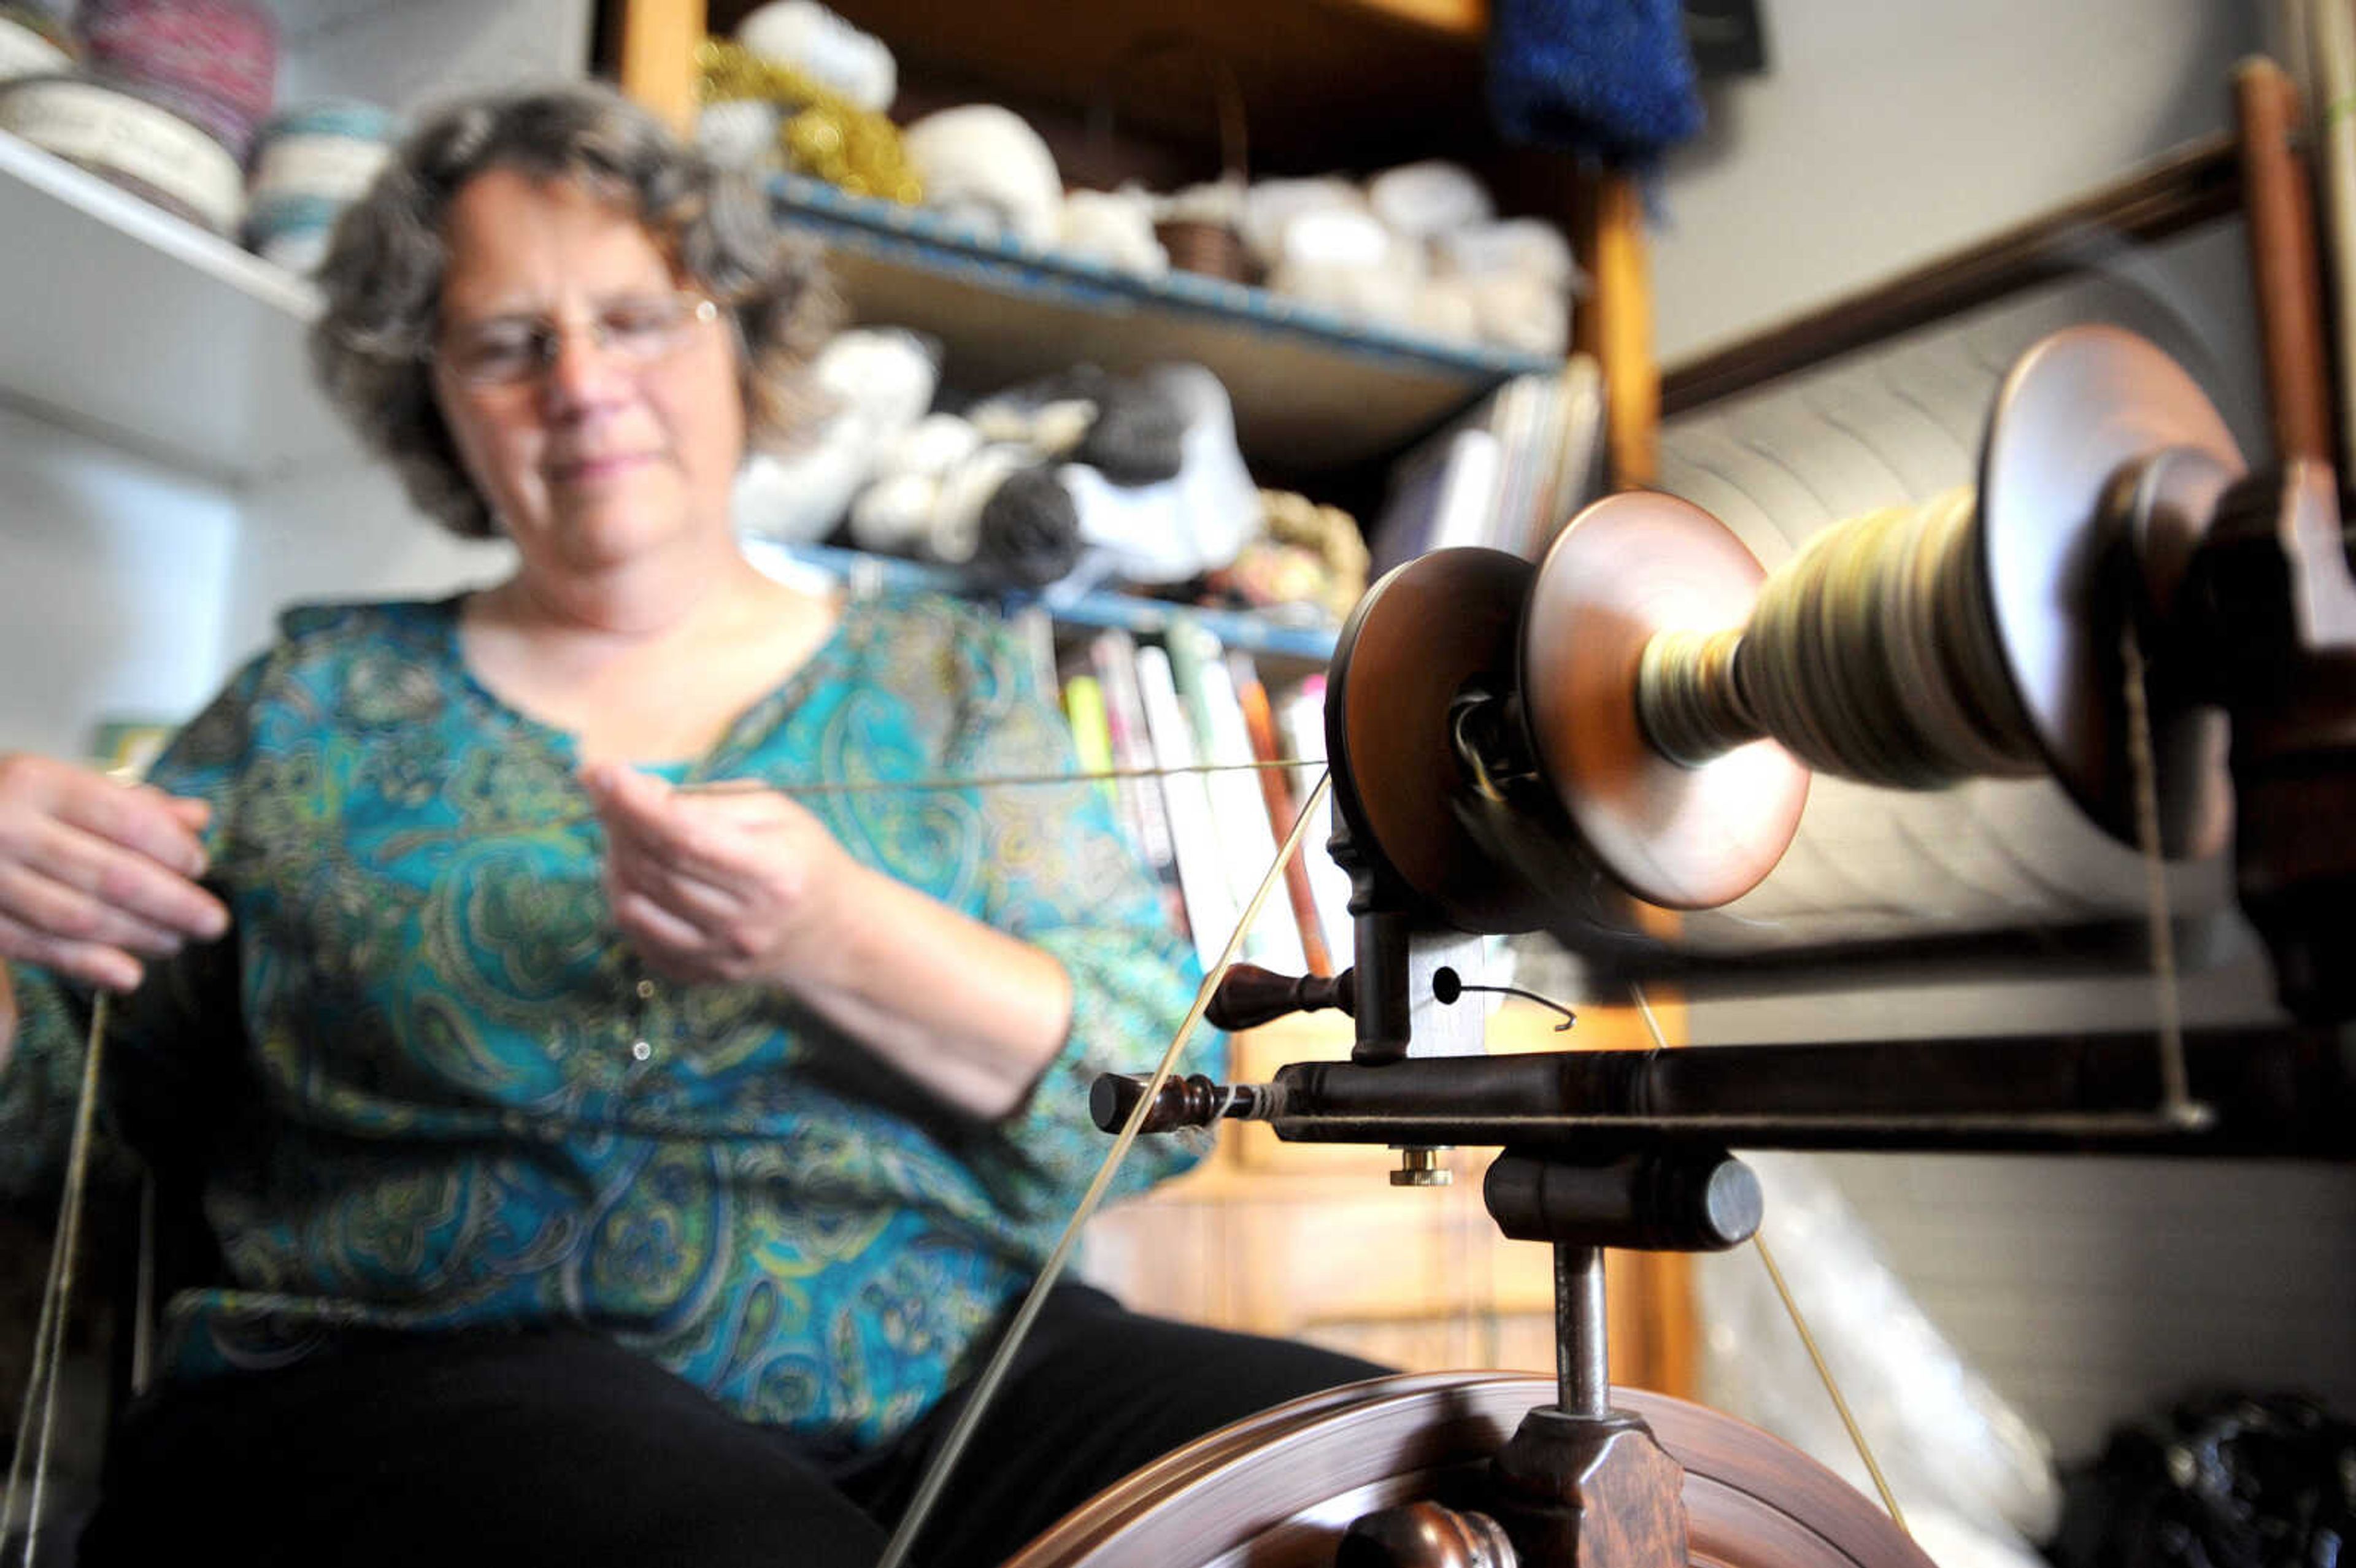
1083 710
1506 475
1301 723
1574 475
1243 841
1284 803
1441 494
1526 421
1112 659
1211 908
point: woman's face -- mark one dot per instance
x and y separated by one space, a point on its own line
595 407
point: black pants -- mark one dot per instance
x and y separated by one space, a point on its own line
557 1446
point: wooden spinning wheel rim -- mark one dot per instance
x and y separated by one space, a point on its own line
1626 567
2079 412
1277 1490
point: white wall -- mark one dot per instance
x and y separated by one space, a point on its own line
339 534
1892 130
421 52
130 590
112 571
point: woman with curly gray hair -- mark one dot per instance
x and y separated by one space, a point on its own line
374 347
602 1167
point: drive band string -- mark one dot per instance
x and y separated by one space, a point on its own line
57 1301
936 1473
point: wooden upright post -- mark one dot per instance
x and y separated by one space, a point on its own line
1651 1315
657 57
1614 323
2280 214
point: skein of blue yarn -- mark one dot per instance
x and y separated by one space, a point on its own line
1613 79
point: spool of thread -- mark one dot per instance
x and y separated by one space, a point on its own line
1870 655
214 62
125 138
33 43
309 165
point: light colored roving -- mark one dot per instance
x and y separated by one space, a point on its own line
120 136
33 43
309 164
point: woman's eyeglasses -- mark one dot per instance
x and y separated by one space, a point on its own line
507 349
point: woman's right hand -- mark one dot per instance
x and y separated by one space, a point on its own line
95 876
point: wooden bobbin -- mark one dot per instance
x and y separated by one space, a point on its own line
2102 467
2102 448
1680 834
1440 802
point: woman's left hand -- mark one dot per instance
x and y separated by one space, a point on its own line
750 888
730 886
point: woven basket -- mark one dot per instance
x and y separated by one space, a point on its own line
1214 249
1195 245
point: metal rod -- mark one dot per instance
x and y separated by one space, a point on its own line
2280 1090
1797 1130
1581 1350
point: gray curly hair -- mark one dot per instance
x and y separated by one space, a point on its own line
382 276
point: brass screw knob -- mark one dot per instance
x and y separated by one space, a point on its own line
1421 1167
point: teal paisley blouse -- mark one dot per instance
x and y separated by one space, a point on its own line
433 1090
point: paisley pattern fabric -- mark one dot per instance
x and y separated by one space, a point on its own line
412 1092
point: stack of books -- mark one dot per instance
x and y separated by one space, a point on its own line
1212 837
1507 474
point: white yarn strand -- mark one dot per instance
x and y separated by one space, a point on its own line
1799 1319
2177 1103
57 1304
936 1473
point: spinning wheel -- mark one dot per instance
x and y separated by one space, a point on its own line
1280 1490
1629 730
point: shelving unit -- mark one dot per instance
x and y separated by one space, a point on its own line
1310 387
142 329
1325 84
1242 630
202 367
142 346
158 338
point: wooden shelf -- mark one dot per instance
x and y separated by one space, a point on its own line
142 329
1324 83
1243 631
202 363
1312 389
